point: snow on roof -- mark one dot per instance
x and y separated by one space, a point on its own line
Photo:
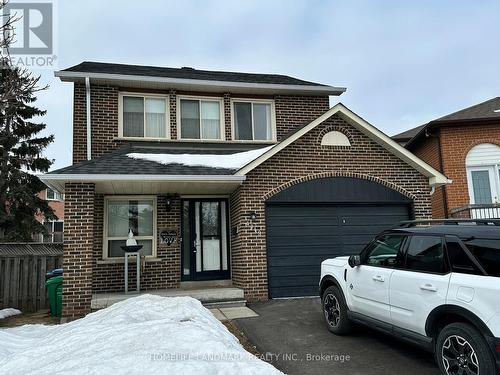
228 161
142 335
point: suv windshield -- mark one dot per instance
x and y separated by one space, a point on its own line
487 253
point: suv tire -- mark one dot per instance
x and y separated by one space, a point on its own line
335 311
462 349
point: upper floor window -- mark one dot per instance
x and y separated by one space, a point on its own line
201 118
52 195
253 120
143 116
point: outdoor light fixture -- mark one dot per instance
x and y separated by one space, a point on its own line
168 201
252 215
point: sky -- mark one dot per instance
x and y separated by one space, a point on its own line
404 63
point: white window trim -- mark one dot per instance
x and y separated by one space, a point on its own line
258 101
144 96
494 182
55 199
105 238
200 99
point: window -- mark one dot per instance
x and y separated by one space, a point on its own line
54 231
201 118
253 120
52 195
425 253
125 214
483 175
487 252
383 251
144 116
459 260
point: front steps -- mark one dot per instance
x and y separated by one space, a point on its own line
211 297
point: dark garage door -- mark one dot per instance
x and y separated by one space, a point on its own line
301 235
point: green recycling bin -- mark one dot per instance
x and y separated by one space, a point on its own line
54 292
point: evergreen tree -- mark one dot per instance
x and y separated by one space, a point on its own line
20 147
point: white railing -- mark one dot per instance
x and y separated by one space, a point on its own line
477 211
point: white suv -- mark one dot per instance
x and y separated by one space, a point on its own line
437 286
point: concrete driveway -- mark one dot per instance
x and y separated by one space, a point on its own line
292 336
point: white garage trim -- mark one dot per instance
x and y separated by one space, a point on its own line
435 178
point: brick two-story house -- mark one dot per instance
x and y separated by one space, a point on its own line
465 146
254 175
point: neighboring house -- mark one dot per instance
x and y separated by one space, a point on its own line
248 178
465 146
54 227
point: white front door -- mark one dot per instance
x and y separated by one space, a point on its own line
369 282
420 284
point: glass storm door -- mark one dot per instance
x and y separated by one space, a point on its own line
205 253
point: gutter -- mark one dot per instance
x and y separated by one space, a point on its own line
222 85
140 177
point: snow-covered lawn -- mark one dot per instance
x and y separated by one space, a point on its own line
5 313
142 335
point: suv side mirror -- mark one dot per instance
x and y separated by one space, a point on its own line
354 260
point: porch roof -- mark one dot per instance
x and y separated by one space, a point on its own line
173 168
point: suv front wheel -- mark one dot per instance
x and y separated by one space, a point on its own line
461 349
335 311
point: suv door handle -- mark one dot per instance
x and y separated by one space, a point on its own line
378 278
429 287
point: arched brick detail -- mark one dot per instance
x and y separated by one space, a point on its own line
288 184
479 142
338 128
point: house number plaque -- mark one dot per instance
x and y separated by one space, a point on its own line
168 237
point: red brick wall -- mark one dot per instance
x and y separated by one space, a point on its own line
291 112
456 143
303 160
78 242
160 273
429 152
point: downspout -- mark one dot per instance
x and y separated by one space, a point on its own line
441 167
89 127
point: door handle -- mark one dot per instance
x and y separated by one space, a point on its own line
378 278
428 287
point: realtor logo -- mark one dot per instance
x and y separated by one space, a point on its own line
33 43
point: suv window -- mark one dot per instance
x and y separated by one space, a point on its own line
425 253
459 260
383 251
487 252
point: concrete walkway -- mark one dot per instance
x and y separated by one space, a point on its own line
231 313
296 340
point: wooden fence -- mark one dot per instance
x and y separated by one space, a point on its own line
22 274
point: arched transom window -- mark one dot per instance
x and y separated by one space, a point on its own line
483 173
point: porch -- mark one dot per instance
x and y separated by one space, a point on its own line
209 296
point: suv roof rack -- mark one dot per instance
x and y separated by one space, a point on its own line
413 223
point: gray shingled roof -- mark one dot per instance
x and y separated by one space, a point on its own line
187 73
476 114
408 134
484 110
118 162
30 248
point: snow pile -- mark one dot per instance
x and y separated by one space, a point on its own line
230 161
143 335
5 313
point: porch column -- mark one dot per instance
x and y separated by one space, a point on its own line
77 253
